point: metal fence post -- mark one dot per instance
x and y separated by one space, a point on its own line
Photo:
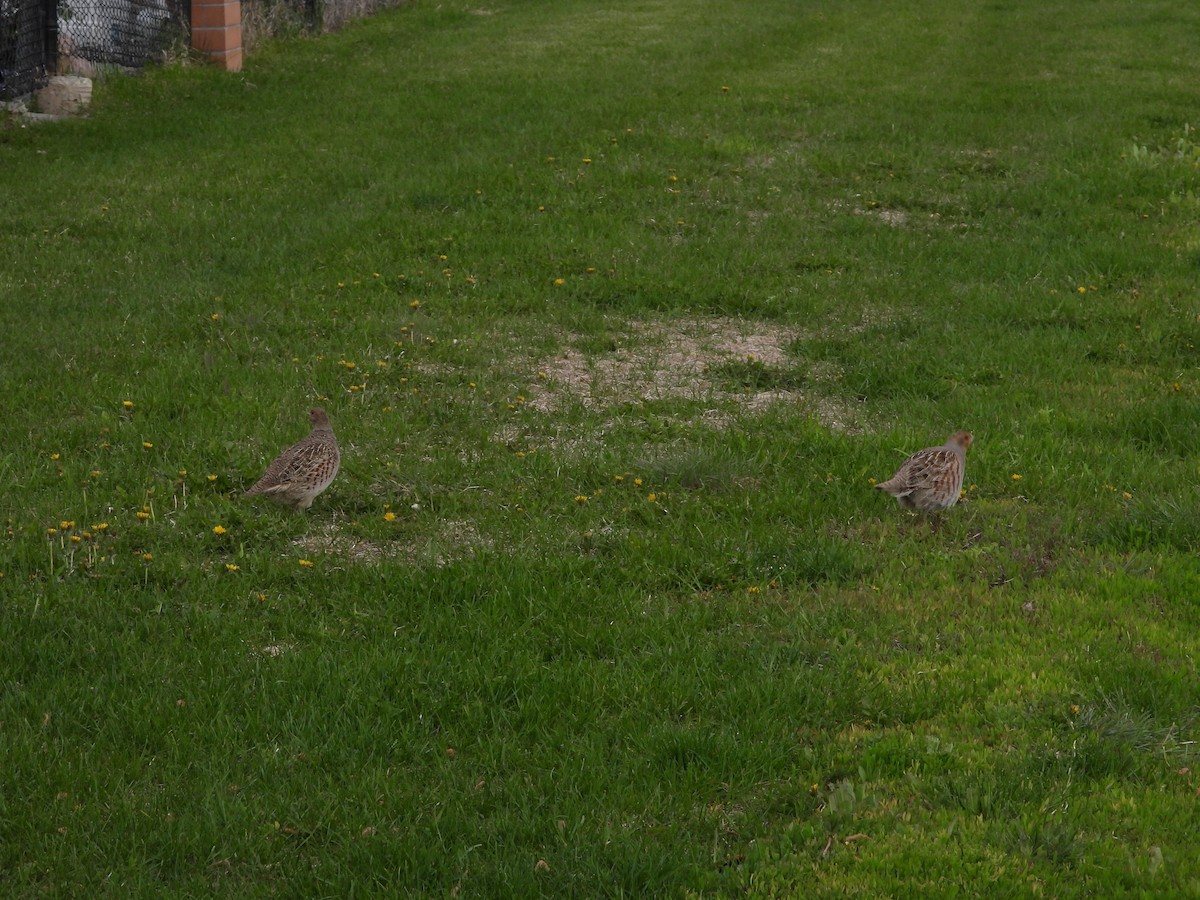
50 35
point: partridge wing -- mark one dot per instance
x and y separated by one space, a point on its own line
283 469
927 469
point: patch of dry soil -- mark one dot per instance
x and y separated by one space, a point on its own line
662 360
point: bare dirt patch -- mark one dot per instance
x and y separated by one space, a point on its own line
674 360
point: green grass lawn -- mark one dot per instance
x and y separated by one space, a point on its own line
618 310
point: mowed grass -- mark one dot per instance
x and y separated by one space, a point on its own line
618 310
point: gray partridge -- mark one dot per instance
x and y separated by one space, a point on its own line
931 479
304 469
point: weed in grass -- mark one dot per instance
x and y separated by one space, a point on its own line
1055 840
752 375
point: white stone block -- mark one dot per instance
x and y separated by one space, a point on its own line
65 95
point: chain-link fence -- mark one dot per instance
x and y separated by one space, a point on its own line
39 36
26 45
120 32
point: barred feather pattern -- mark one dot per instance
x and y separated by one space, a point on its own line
931 479
303 470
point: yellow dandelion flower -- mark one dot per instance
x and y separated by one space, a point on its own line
52 531
389 516
218 529
262 598
147 445
95 473
753 589
413 304
56 456
143 515
638 482
306 563
128 404
148 557
653 498
1082 289
581 499
100 526
216 317
587 160
64 524
1126 495
212 478
1074 709
559 282
618 478
1016 477
871 481
232 567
